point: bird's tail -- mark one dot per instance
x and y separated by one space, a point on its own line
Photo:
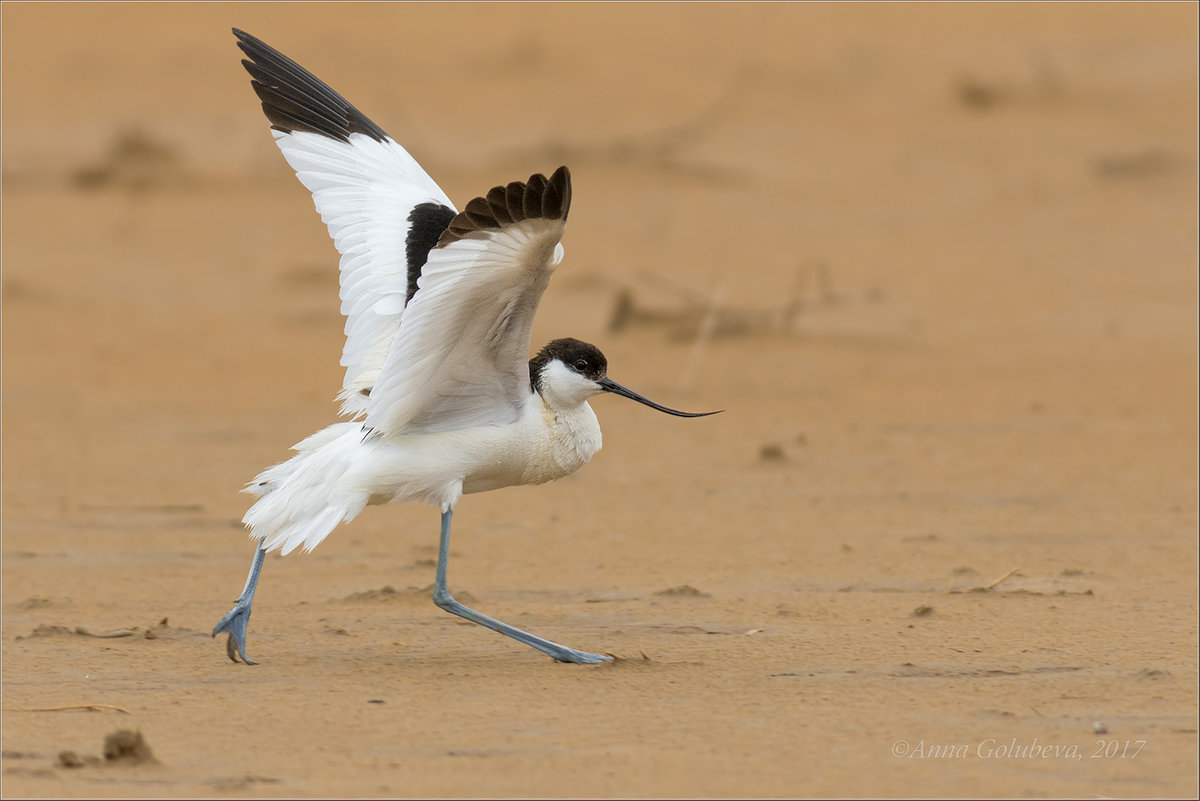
303 499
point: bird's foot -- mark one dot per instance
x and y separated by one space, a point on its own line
235 624
563 654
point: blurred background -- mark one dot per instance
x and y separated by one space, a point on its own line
936 261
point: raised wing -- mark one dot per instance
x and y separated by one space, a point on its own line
383 211
461 356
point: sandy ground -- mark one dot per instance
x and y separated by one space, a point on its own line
937 263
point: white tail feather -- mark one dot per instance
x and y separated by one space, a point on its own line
302 500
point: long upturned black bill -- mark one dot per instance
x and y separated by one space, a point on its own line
612 386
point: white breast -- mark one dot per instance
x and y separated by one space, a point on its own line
546 444
564 442
543 445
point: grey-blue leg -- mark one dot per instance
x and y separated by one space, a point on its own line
442 597
235 622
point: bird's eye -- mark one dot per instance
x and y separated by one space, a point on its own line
581 364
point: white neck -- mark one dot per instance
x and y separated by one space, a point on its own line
563 389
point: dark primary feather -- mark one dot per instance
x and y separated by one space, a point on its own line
296 100
538 198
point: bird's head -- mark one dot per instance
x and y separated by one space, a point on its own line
567 372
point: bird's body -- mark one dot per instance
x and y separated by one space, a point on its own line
339 471
439 305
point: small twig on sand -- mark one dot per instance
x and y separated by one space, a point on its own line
1005 577
127 631
89 707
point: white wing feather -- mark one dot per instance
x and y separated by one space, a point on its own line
364 191
460 358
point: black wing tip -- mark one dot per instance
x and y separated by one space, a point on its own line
256 48
539 198
294 99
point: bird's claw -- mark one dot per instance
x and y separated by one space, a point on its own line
235 624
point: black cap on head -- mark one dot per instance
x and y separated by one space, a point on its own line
582 357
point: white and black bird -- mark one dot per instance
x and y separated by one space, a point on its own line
443 398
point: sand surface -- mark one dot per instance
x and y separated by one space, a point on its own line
937 263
